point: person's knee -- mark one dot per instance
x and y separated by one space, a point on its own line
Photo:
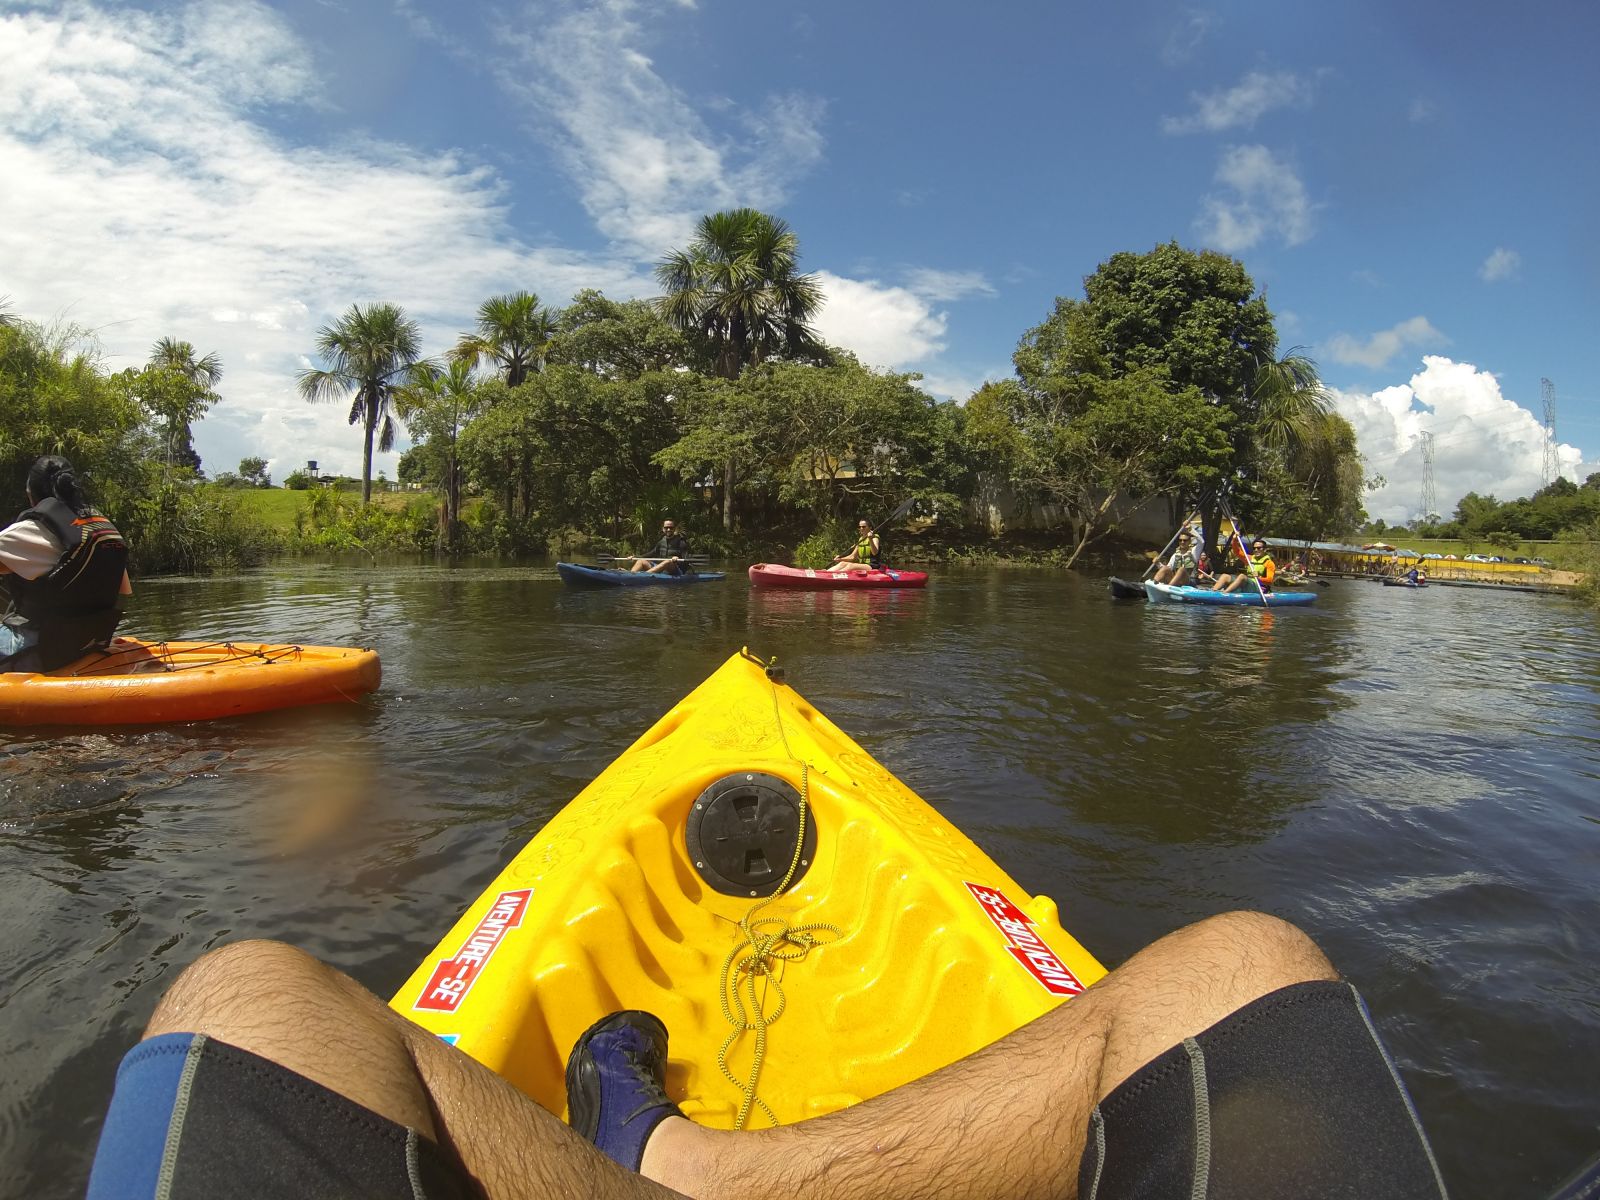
1261 953
233 985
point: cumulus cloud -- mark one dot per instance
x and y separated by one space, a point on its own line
1482 440
1378 349
645 161
1263 197
883 325
144 198
1240 106
1502 264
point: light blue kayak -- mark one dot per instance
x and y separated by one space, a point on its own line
1165 593
581 576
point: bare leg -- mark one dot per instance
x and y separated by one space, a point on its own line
283 1005
641 564
1011 1120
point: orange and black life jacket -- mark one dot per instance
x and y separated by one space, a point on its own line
77 603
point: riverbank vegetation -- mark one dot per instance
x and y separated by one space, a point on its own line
549 428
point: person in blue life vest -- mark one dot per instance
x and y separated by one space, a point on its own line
669 556
65 568
865 555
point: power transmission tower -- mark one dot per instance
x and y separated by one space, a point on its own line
1552 462
1430 499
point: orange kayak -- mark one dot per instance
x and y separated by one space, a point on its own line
144 683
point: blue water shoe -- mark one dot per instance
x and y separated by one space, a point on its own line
616 1077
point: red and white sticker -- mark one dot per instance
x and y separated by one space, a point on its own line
1028 947
453 978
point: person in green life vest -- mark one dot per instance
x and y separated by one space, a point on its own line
1258 568
865 555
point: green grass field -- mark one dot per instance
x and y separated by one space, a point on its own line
276 507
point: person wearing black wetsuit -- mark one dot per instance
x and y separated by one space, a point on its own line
65 567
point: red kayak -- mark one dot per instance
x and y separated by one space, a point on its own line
771 575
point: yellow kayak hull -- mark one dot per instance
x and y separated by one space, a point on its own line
941 952
141 683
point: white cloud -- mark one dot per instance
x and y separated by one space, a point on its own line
645 162
1422 111
884 326
1186 37
1482 441
1240 106
1502 264
948 285
1265 197
143 199
1378 349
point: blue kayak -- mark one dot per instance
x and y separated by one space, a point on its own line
581 576
1165 593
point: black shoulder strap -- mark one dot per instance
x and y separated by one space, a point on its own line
56 517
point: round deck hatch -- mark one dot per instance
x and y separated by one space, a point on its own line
741 834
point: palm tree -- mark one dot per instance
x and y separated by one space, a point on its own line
1288 400
202 376
737 286
513 330
435 403
371 352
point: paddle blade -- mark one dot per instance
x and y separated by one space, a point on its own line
906 506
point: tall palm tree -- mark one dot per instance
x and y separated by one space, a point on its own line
202 376
738 286
370 352
513 330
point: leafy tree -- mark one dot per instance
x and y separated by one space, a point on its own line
829 439
513 331
56 399
297 481
370 352
1196 318
180 406
738 291
616 339
1085 442
435 405
254 472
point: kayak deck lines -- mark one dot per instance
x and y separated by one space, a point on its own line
157 654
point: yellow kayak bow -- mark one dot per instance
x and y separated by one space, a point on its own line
907 947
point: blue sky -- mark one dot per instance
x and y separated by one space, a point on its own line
1413 184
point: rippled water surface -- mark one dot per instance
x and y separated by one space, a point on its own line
1413 777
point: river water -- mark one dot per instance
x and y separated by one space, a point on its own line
1412 777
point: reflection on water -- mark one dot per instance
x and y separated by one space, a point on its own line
1410 776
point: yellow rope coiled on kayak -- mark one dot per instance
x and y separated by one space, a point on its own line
752 969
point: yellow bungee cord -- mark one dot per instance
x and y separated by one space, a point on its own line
752 969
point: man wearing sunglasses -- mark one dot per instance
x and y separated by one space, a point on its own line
670 555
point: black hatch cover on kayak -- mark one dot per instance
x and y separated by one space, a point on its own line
741 834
